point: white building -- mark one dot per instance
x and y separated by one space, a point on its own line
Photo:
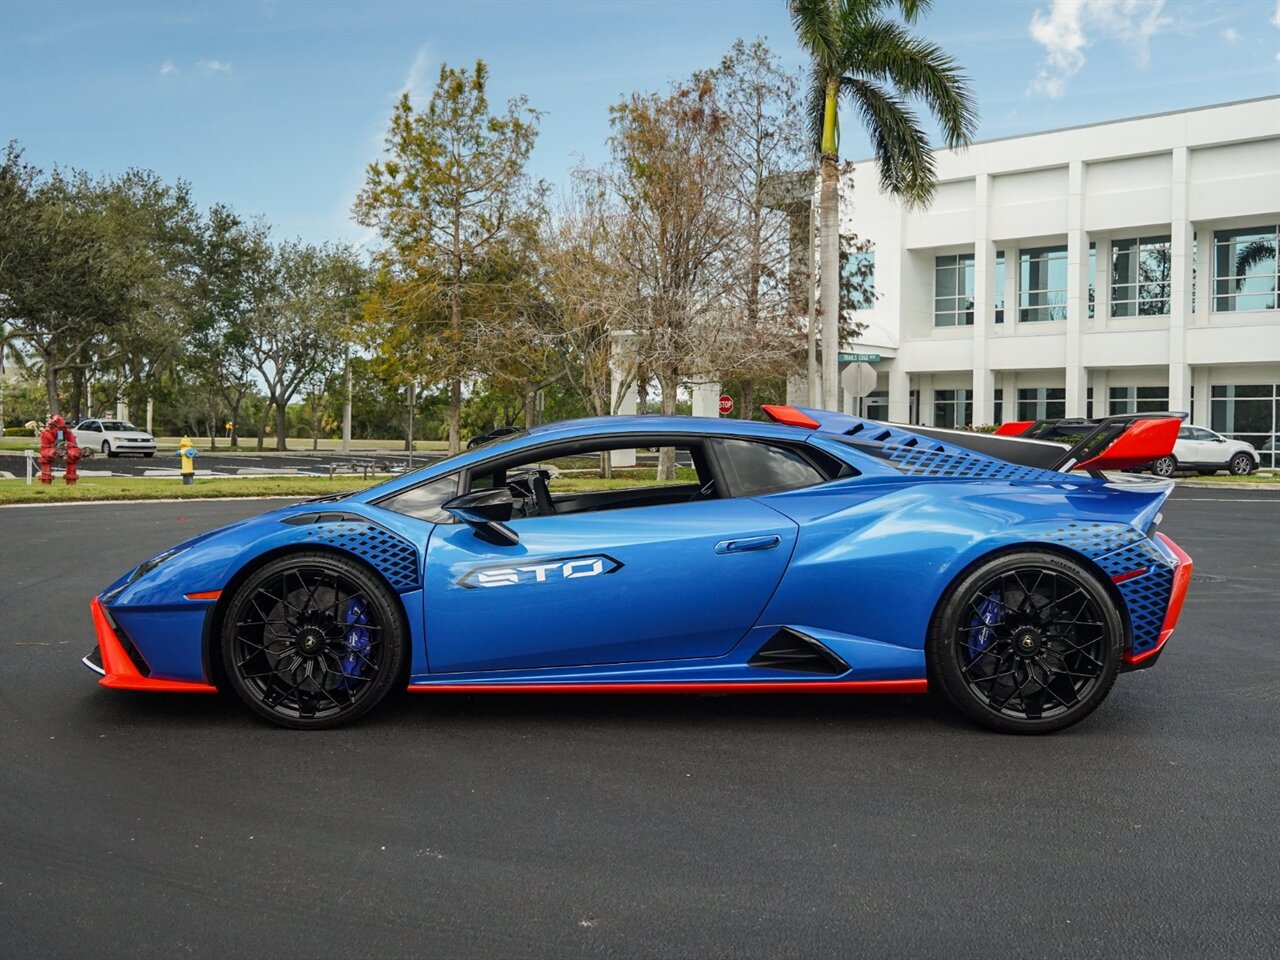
1111 268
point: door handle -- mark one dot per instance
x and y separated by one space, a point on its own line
748 545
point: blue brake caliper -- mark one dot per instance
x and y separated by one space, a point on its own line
357 637
989 613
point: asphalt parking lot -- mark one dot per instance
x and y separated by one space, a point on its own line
144 825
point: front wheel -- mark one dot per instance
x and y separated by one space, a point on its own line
1164 467
1027 643
106 449
1241 465
313 640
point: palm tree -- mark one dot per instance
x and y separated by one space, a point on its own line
874 63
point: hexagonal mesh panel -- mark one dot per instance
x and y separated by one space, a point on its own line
388 553
1147 598
918 462
1120 549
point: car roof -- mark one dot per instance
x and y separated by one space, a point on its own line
640 425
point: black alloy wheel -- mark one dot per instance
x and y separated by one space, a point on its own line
1241 465
1027 643
313 640
1164 467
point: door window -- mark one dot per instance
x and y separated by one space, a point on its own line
753 469
425 501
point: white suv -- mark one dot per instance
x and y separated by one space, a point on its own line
1207 452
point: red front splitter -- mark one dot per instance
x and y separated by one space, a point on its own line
119 671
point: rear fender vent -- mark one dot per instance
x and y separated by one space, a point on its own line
791 650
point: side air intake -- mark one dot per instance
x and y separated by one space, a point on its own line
791 650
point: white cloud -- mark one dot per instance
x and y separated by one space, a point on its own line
1071 26
215 66
167 68
417 83
1231 35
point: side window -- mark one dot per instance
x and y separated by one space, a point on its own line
753 468
1186 433
425 501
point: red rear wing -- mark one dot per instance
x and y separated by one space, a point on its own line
1112 443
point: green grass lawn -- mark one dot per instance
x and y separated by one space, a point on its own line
150 488
296 445
1251 478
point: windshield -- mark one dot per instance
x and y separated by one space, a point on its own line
445 461
119 426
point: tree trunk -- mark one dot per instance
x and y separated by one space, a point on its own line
748 399
51 384
262 424
530 403
235 425
829 275
282 426
668 383
77 393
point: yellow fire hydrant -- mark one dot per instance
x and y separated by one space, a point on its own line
187 457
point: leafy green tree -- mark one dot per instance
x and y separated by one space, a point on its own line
877 66
453 178
61 287
296 330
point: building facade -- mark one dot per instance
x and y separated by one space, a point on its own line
1113 268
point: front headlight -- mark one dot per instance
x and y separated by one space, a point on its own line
148 565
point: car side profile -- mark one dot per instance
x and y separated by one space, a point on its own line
819 553
1206 452
113 437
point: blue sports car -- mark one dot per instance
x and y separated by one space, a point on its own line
817 553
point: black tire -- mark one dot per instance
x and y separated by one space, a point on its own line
1241 465
1028 642
1164 467
313 640
106 448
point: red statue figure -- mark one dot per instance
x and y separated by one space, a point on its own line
58 442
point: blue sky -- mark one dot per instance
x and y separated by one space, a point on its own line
276 107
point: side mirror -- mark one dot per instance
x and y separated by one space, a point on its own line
484 511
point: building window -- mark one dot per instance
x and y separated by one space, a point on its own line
1042 403
997 409
952 408
1249 412
953 291
1042 284
875 406
1140 275
1093 276
1137 400
1244 269
859 287
999 291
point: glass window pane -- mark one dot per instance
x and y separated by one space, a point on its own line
759 468
945 283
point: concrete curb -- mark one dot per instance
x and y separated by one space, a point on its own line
1210 485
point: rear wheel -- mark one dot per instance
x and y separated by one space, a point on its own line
312 640
1241 465
1027 643
1164 467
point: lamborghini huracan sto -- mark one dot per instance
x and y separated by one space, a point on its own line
818 553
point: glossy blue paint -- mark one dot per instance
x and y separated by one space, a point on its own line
661 593
671 597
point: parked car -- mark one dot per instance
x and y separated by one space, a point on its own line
819 553
114 437
1204 451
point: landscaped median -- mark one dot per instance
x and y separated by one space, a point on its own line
152 488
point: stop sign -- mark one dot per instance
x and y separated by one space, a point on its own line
726 404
